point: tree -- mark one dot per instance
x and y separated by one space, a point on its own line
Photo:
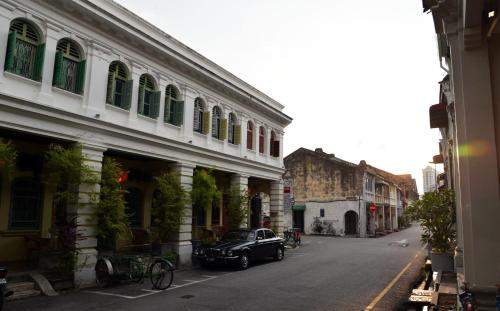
204 193
237 209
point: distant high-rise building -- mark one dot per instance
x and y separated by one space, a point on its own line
429 175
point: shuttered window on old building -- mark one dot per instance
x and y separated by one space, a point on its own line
234 130
250 135
219 125
69 67
149 98
198 115
174 107
25 51
274 146
119 87
261 139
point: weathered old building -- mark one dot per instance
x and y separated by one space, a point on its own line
331 196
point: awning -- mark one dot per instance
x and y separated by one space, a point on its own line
438 116
298 207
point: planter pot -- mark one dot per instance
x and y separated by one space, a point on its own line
442 261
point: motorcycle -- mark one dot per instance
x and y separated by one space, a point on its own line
4 292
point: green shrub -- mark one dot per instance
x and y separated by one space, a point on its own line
8 157
237 209
204 193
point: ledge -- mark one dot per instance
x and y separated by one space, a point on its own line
21 78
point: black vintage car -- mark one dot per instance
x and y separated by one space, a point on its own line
240 247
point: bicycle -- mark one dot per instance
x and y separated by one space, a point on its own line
292 237
134 268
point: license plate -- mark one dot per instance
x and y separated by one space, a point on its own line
210 259
3 281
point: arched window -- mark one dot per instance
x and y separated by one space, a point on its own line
25 51
133 201
233 135
174 107
198 115
275 145
217 122
149 98
25 205
261 139
119 89
250 135
69 67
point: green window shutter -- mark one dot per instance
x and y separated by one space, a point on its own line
206 122
127 94
223 129
80 77
237 134
58 79
38 66
140 102
110 90
155 107
179 112
167 108
11 52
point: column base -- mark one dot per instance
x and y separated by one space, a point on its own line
185 250
84 275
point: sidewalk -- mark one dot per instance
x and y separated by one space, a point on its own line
398 294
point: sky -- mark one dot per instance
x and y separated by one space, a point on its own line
357 77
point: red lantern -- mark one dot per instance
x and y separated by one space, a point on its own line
122 178
373 208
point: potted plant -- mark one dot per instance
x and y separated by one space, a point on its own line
435 212
112 221
8 157
168 212
237 209
204 195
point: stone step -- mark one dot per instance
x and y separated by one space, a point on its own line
23 295
21 286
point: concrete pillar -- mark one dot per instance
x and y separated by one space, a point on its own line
97 80
182 240
83 210
362 218
277 205
240 182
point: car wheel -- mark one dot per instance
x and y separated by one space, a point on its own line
278 254
244 261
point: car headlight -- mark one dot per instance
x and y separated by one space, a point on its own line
229 253
196 252
223 252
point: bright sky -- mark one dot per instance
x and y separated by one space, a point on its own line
357 77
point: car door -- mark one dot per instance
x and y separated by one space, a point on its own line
271 243
260 245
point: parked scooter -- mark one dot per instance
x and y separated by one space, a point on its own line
4 292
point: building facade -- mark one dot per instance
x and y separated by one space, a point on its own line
468 118
336 197
92 73
429 179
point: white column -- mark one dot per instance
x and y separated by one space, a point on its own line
84 211
45 96
96 80
136 72
188 116
277 205
182 239
240 183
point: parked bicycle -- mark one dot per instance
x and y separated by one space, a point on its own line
135 268
292 236
4 292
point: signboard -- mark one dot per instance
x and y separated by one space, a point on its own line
286 189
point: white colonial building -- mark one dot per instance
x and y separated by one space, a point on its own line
93 73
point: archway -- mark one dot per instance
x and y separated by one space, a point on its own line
351 223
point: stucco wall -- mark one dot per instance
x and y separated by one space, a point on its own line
334 214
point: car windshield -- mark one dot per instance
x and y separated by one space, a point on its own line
239 235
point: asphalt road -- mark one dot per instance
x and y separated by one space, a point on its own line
325 273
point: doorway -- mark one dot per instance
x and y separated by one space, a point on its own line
255 211
351 223
298 220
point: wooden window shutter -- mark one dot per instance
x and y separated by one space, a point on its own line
58 79
276 148
110 91
179 112
223 129
80 77
166 115
127 95
237 134
38 66
206 122
140 102
11 51
155 107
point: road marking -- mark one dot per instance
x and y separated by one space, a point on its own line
391 284
152 292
